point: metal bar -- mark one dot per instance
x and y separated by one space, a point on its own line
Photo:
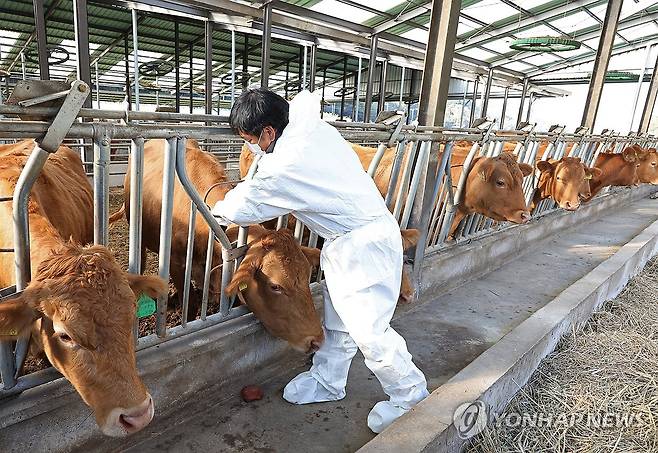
208 72
191 86
232 67
314 67
42 41
207 272
487 93
135 58
524 92
639 86
81 26
531 99
177 93
395 174
357 91
372 65
342 96
606 42
649 102
166 215
305 59
436 74
421 163
98 87
126 59
406 175
136 202
474 99
401 89
189 256
502 113
101 186
23 70
376 159
382 87
461 115
267 41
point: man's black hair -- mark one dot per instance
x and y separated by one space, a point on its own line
257 108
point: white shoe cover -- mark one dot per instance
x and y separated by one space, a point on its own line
305 389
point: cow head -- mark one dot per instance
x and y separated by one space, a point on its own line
494 188
273 279
409 239
632 156
567 181
80 309
647 171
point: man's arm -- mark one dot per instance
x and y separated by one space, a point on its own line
248 203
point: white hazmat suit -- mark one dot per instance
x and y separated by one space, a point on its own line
314 174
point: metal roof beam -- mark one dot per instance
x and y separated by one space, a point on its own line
402 18
620 49
516 25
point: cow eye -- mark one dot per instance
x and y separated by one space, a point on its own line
653 164
500 183
276 288
65 339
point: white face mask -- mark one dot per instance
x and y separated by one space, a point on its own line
255 147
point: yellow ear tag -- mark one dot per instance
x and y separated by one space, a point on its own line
9 333
588 176
242 286
482 176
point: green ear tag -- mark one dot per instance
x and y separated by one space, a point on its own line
145 306
242 286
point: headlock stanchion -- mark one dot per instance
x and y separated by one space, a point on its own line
425 176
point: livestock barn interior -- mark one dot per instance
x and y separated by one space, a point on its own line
428 92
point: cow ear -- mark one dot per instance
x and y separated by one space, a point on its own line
526 169
593 172
312 255
545 166
18 314
629 155
150 285
243 277
409 238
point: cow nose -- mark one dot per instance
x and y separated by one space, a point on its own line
138 417
525 216
313 344
568 205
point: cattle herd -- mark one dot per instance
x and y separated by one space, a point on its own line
79 308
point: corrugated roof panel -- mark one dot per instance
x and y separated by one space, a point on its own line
490 11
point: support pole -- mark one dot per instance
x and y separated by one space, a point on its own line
638 88
606 41
487 93
372 65
342 96
303 84
126 59
313 67
381 105
42 41
504 111
81 26
191 84
524 92
208 71
433 100
135 59
474 101
461 116
232 67
357 91
267 38
412 81
177 63
647 111
438 65
245 60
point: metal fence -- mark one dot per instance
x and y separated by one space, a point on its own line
422 157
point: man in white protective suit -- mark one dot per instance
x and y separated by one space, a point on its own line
308 170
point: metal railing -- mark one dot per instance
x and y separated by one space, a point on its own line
414 154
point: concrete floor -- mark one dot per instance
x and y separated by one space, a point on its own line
443 335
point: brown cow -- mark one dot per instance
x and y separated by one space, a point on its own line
566 181
80 306
494 189
294 318
647 172
617 169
